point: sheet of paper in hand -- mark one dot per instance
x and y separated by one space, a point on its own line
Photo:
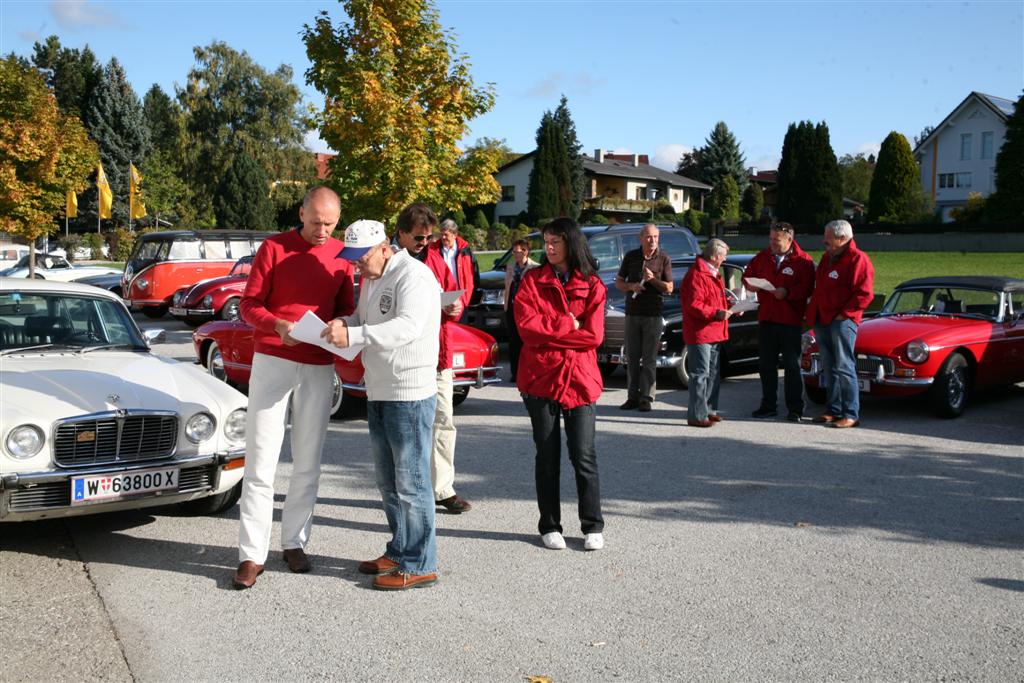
759 283
308 330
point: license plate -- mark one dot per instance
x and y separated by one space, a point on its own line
492 322
458 360
865 385
102 487
176 310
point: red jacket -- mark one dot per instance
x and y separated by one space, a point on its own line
434 261
844 287
795 272
703 295
468 273
559 362
290 276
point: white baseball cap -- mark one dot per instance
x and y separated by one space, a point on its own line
360 237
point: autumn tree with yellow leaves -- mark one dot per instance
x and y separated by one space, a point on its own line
397 100
43 153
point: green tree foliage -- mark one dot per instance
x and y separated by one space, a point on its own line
973 211
810 188
574 150
720 156
498 147
398 98
1007 203
896 184
689 164
725 200
753 201
549 192
243 196
72 74
164 117
115 121
167 197
694 220
233 106
45 153
925 132
856 172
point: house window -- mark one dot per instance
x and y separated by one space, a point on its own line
963 180
508 193
965 146
945 180
986 144
641 192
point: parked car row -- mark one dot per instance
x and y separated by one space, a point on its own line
52 266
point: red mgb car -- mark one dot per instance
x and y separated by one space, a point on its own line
224 348
214 298
944 337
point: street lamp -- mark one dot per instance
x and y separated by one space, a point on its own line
652 194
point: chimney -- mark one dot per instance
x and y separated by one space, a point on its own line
599 155
636 160
753 171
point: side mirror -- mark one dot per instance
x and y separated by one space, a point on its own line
154 336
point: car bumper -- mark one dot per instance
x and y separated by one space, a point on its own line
868 382
619 358
139 303
182 312
38 495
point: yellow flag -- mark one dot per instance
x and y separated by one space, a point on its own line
106 198
137 208
71 207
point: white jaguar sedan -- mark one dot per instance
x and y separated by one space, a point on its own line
56 267
91 421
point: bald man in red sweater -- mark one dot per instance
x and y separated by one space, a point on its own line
293 272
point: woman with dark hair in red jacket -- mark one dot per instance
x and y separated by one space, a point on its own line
560 315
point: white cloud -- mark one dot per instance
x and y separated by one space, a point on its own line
72 14
667 156
580 83
621 150
867 148
546 87
315 143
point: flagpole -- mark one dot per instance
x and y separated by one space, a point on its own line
131 197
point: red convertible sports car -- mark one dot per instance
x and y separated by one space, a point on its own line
224 348
944 337
214 298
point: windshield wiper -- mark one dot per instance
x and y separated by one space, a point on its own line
86 349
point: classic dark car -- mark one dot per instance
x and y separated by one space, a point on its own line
608 244
225 348
110 282
941 337
214 298
739 354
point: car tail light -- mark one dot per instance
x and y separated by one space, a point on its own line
494 354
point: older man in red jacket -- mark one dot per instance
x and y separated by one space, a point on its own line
705 326
789 274
843 289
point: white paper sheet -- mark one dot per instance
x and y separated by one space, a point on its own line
308 330
759 283
743 305
448 298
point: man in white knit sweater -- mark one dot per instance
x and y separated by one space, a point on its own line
397 321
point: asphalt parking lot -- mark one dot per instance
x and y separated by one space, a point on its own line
756 550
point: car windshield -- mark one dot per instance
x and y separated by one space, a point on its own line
242 266
946 301
147 252
52 319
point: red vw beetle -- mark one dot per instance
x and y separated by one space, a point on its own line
224 348
944 337
214 298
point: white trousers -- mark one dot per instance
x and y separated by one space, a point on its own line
271 383
442 455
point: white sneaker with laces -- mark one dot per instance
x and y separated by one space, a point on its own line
553 541
593 542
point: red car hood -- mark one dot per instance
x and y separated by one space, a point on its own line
204 287
882 335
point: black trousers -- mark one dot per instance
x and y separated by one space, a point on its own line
774 339
579 433
515 342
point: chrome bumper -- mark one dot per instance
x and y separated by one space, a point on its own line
178 310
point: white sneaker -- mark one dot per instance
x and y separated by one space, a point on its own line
553 541
593 542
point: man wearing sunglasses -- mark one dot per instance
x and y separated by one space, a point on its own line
415 224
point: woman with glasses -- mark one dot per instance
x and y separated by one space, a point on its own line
559 311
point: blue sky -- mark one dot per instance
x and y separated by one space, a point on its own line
645 77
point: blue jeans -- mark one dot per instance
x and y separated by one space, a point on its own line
702 361
400 439
579 433
835 345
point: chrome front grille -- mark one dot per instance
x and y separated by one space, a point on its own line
614 332
112 438
868 365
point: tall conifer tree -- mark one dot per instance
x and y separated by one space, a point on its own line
577 180
896 184
549 193
1007 204
243 196
721 156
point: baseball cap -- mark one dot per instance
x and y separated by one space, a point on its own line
360 237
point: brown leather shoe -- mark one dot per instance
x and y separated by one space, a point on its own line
699 423
246 575
455 505
397 581
845 423
825 419
382 565
297 560
715 417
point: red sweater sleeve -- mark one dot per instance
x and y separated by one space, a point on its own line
257 289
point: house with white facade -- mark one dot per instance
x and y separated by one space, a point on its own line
616 184
959 156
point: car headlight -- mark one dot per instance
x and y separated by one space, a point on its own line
178 298
142 283
917 351
200 427
494 297
208 301
24 441
806 342
234 425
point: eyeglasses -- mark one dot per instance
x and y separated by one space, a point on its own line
421 238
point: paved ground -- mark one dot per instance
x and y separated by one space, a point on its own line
751 551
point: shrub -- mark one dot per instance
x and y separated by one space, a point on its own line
121 243
971 212
598 219
694 220
94 242
70 244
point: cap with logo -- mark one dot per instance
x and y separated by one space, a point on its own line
360 237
